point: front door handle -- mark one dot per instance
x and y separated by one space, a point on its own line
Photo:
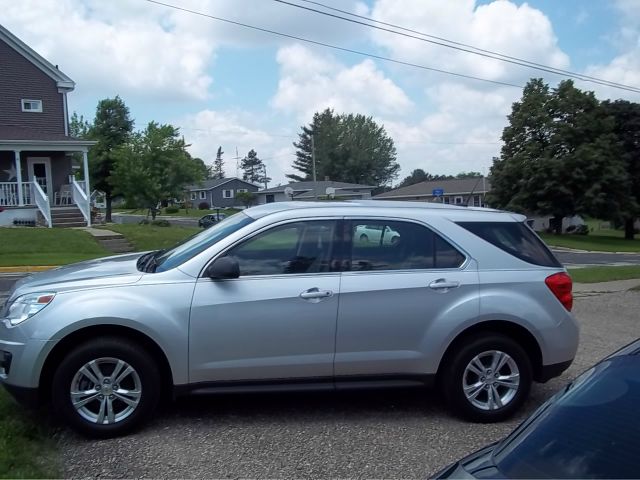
443 285
314 293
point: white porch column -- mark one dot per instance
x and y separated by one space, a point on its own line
85 165
19 177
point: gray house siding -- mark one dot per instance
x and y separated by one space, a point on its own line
20 79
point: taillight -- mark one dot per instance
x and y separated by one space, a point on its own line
561 285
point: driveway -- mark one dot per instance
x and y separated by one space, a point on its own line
388 434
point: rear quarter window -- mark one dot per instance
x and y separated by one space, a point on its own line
516 239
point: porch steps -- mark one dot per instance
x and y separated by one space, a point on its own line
65 217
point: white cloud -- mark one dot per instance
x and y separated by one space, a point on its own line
310 82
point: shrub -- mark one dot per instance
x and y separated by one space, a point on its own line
171 210
203 206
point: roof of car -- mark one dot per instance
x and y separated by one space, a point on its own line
375 206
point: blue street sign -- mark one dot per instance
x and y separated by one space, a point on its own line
438 192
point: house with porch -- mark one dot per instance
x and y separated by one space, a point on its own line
37 172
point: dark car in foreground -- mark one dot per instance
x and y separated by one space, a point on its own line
590 429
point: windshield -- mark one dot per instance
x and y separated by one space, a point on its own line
591 431
166 260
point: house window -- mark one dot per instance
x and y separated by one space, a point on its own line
459 200
29 105
447 200
193 195
476 201
227 193
241 190
203 195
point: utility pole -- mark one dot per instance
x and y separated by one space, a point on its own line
237 164
264 169
313 155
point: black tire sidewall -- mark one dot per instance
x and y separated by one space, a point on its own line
122 349
454 371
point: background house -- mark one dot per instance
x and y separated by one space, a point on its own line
35 147
314 191
458 191
219 193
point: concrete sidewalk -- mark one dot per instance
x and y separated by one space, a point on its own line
606 287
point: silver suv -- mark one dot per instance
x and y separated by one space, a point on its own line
292 296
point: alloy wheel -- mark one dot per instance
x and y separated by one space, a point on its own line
491 380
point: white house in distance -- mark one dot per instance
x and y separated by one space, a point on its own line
314 191
457 191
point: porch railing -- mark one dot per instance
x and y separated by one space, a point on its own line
80 199
9 194
42 201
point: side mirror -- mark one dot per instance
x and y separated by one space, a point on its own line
223 268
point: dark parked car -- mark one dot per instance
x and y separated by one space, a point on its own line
211 219
590 429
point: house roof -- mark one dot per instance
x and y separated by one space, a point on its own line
450 187
16 136
63 82
213 183
319 188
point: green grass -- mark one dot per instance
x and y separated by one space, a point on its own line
604 274
150 237
26 448
192 212
46 246
594 241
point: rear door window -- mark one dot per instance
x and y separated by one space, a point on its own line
516 239
389 245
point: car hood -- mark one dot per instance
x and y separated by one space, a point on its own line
120 269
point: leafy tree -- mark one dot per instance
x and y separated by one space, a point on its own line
111 128
79 127
254 169
218 165
468 175
626 117
154 166
247 198
558 156
348 148
417 176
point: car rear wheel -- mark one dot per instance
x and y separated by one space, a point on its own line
106 387
487 379
364 238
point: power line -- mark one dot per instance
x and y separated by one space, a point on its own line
457 45
334 47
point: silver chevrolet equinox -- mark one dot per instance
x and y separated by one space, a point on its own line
297 296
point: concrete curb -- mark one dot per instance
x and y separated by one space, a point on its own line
27 269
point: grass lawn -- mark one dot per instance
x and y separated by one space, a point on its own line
604 274
151 237
192 212
26 448
596 241
46 246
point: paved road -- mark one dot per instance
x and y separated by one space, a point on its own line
389 434
570 259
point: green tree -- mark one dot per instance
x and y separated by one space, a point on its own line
79 127
626 118
558 156
468 175
254 169
348 148
218 165
417 176
155 166
111 128
247 198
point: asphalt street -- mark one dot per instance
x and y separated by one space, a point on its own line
389 434
571 259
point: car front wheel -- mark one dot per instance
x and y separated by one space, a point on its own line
487 379
106 387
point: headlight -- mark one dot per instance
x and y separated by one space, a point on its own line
26 306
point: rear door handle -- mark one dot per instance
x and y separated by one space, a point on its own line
443 285
314 293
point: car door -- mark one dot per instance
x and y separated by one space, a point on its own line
392 294
277 320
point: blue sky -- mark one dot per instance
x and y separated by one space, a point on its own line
224 85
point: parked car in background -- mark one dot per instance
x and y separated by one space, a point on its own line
210 219
376 234
285 295
589 429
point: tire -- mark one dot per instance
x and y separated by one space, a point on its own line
132 403
482 382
